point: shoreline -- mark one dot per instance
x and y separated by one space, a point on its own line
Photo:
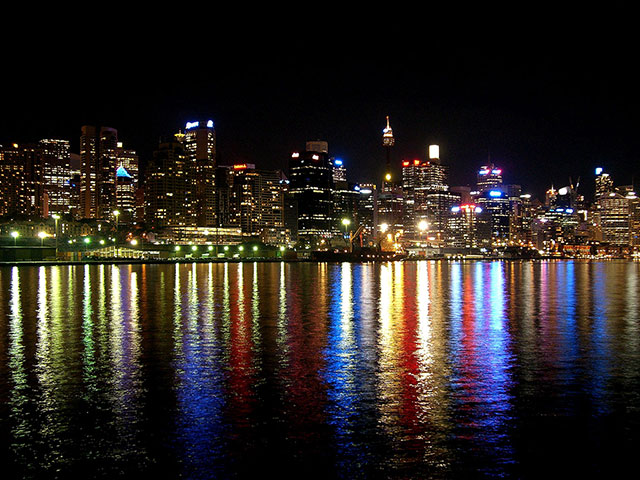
134 261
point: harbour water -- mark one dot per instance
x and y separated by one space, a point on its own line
426 369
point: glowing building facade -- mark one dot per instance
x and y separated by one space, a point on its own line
310 185
427 196
199 139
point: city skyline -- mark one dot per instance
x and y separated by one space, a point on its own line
553 104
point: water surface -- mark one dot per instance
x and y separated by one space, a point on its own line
392 370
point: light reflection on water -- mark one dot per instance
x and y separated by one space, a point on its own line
394 370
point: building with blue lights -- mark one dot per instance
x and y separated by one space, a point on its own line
199 139
497 206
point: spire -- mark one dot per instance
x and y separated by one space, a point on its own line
387 135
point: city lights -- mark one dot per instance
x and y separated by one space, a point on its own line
210 203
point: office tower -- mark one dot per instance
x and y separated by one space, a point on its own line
128 159
75 165
345 197
522 219
169 187
604 182
496 204
56 175
346 200
489 177
613 213
125 202
254 201
199 140
339 172
468 227
97 176
391 208
368 210
427 196
310 185
388 141
20 180
634 213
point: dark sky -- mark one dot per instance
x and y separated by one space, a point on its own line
547 96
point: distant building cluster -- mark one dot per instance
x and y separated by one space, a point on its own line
185 195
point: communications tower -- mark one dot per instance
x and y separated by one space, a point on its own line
387 142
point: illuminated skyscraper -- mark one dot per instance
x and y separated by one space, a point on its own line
200 144
20 180
311 185
339 171
604 182
169 187
99 156
125 195
56 175
387 142
614 216
496 204
253 201
426 196
469 227
489 177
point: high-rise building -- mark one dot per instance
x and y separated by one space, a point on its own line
388 141
496 204
169 187
614 217
339 172
427 196
56 175
368 210
255 201
20 180
99 165
489 177
604 182
199 139
125 202
310 185
469 227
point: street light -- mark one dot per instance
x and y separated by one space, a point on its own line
56 217
422 226
116 213
346 222
15 236
42 236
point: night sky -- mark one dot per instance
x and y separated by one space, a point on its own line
546 99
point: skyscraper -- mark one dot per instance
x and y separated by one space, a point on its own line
56 175
20 180
253 201
125 195
489 177
310 185
200 144
388 141
168 187
496 204
98 153
427 196
604 182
